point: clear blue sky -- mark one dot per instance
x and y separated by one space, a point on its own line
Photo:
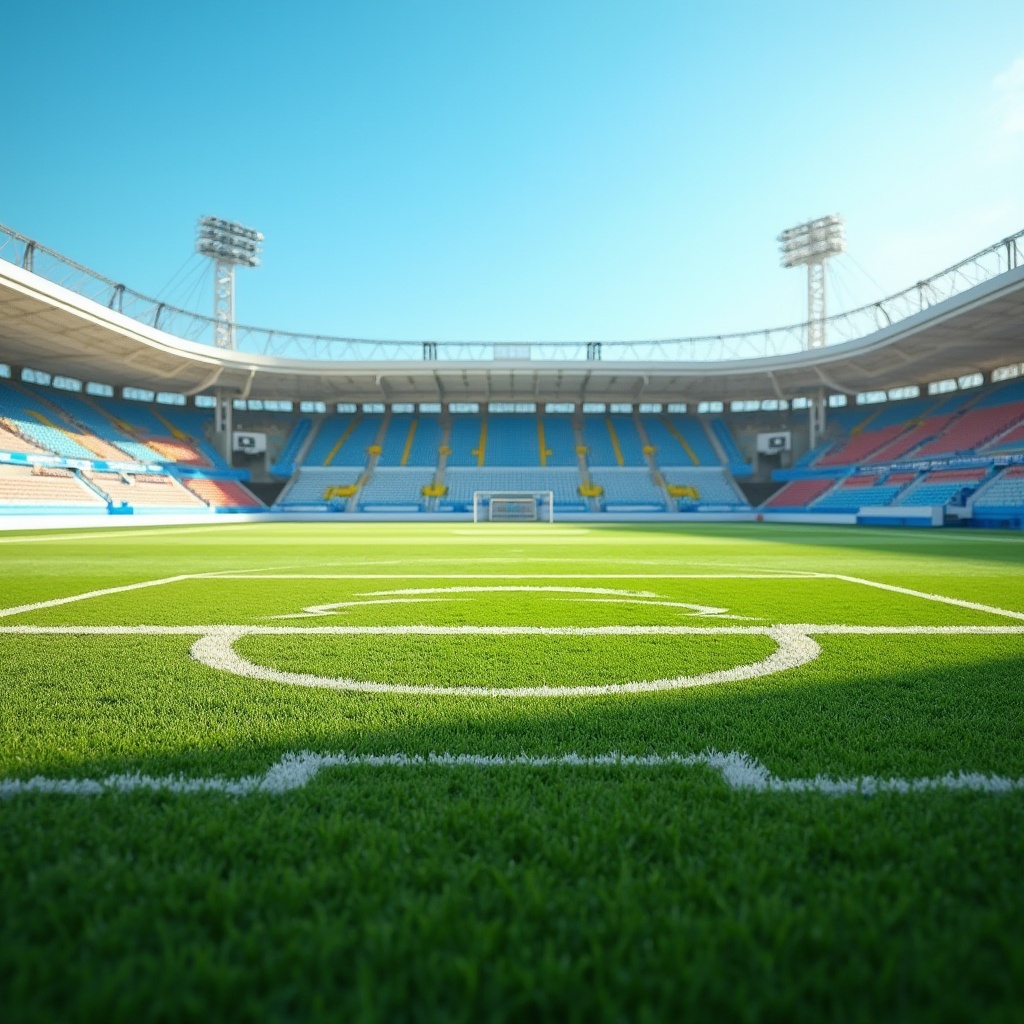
514 169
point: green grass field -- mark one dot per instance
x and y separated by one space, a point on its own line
427 772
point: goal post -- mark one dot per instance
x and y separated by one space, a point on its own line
513 506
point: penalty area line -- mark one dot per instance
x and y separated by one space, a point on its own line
739 771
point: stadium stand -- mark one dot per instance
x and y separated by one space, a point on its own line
1004 494
711 488
612 441
173 443
400 435
924 428
102 426
285 463
628 490
193 425
226 494
1011 440
563 483
973 428
917 445
144 490
736 460
512 441
943 487
911 439
426 442
343 440
43 426
28 486
798 494
395 488
856 492
860 446
11 440
311 486
680 441
559 441
468 441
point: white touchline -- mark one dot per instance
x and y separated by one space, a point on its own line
531 576
973 605
739 771
795 647
215 646
106 591
230 574
820 628
54 602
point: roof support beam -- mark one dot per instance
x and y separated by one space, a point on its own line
828 382
207 382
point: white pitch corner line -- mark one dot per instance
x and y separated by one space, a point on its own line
740 772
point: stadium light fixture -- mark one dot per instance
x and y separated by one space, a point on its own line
811 245
229 245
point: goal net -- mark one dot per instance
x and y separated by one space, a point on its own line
513 506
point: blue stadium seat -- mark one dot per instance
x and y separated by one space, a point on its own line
512 441
600 434
711 484
285 464
627 489
564 483
308 489
733 453
560 441
465 439
423 445
395 487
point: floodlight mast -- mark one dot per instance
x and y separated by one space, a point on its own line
811 245
229 245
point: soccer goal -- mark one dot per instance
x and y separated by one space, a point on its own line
513 506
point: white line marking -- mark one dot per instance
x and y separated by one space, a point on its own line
814 628
295 770
416 594
795 647
39 605
216 650
973 605
531 576
320 610
55 602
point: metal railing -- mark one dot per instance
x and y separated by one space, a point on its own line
983 266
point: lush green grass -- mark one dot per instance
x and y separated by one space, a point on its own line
619 893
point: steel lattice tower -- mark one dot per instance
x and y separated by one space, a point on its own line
229 245
811 245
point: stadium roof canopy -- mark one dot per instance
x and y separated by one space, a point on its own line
48 327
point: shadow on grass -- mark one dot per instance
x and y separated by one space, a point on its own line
890 708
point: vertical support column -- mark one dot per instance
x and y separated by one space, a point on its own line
816 304
224 304
222 423
816 418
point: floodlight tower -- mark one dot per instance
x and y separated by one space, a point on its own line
229 245
811 245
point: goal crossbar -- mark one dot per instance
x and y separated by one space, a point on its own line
513 506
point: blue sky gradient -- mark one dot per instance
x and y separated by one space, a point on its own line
515 170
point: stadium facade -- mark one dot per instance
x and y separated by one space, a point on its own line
117 409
